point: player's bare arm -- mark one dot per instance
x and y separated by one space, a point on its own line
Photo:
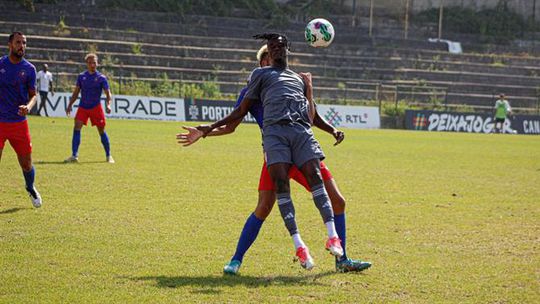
237 114
25 109
108 101
74 96
306 77
193 134
322 124
189 138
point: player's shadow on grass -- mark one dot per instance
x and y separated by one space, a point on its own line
42 162
11 210
211 284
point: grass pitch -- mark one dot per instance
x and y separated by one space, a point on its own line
444 217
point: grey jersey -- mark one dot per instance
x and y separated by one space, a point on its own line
281 92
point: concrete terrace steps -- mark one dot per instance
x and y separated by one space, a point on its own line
329 59
243 27
241 58
353 66
157 51
375 66
110 42
213 43
179 36
184 72
240 76
359 64
171 23
386 28
197 75
481 101
247 65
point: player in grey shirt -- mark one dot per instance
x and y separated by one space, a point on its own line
287 139
282 93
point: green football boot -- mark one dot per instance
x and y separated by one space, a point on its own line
348 265
232 267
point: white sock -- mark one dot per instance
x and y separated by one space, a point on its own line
298 241
331 229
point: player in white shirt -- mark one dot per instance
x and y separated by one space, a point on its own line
45 82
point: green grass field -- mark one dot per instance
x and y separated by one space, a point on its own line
444 217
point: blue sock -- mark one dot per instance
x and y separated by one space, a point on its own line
248 236
106 144
29 178
76 141
339 221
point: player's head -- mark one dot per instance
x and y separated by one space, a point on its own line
278 46
45 67
502 95
91 62
17 44
262 56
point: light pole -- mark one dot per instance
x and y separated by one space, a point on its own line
440 18
407 19
371 19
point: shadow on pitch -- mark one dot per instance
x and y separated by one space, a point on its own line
11 210
211 284
41 162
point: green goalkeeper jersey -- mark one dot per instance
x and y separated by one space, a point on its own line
501 108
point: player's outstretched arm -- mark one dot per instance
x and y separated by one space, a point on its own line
193 134
237 114
189 138
322 124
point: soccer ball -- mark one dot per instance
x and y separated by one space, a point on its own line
319 33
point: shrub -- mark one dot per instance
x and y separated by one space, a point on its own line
499 24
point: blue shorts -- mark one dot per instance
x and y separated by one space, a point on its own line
290 143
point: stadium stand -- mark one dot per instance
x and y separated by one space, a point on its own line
192 49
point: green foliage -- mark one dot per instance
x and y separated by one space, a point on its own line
500 24
28 5
91 48
61 28
61 24
134 87
497 62
136 48
390 108
108 61
211 89
463 109
165 87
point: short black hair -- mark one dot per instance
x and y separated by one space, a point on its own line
274 36
13 35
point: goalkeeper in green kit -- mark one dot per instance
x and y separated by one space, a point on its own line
502 110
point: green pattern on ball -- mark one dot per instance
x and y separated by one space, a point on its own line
310 38
327 36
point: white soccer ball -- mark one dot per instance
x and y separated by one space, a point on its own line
319 33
